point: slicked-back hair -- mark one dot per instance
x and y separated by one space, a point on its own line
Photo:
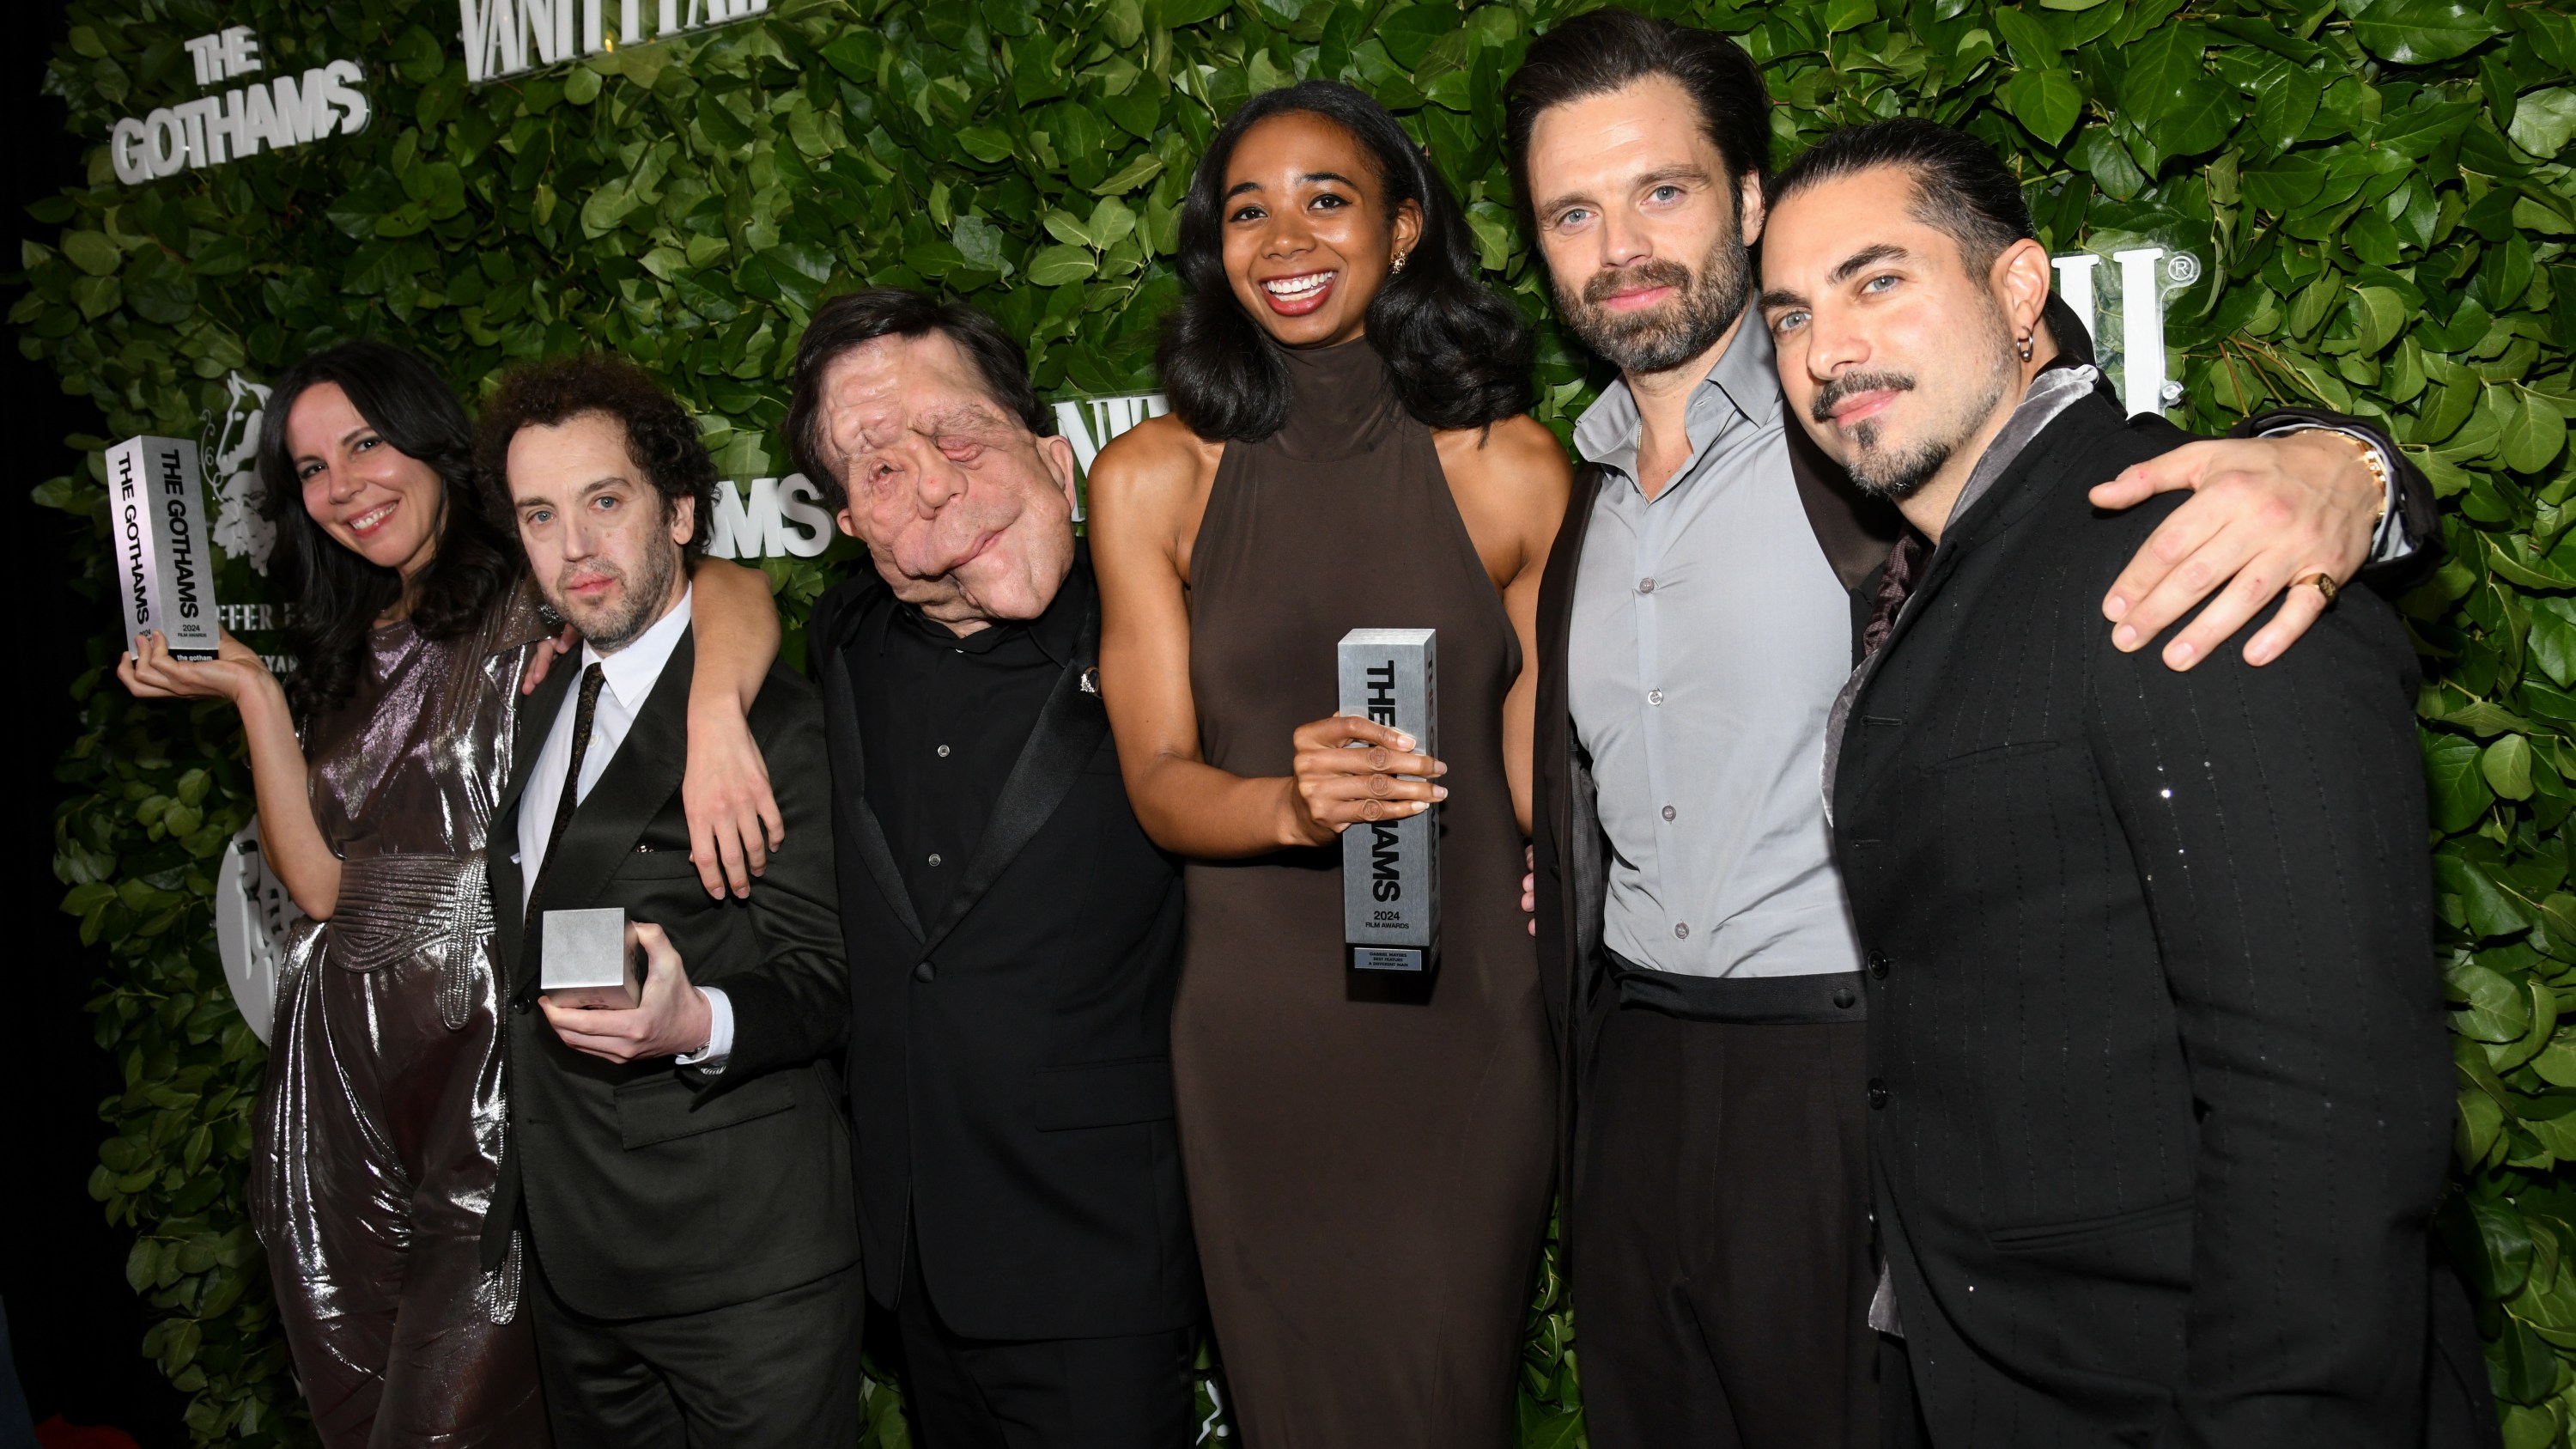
337 594
849 322
1602 51
1460 352
661 438
1960 186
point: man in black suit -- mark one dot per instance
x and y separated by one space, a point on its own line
680 1167
2159 1081
1012 933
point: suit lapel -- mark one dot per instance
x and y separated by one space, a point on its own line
840 699
638 782
1556 624
1069 730
506 874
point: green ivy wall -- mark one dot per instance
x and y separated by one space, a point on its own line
2376 188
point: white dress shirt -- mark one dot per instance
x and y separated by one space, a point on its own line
628 677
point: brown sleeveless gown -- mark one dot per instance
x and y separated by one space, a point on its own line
1368 1165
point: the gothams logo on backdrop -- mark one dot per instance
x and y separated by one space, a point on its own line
236 124
2145 274
505 37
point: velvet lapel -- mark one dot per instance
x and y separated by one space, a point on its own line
2040 469
1069 731
840 700
639 781
536 718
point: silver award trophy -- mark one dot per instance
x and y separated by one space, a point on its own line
1391 868
591 962
165 572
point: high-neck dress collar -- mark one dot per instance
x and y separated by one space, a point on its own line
1341 400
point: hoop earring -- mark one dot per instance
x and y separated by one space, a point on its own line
2025 347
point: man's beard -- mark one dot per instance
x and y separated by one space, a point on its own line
1896 474
1662 338
639 605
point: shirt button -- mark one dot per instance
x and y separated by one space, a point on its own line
1654 696
1681 930
1668 812
943 752
1877 1093
934 857
923 972
1878 965
1645 586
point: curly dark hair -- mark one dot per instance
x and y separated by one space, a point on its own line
660 435
338 595
1460 351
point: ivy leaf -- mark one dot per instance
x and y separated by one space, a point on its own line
2506 764
2417 32
2459 794
2552 637
979 242
2284 102
985 144
1135 173
2032 43
92 252
2047 101
2532 432
2169 93
1054 266
2544 121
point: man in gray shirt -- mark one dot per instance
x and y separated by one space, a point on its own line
1696 625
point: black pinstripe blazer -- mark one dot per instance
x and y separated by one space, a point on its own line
2162 1083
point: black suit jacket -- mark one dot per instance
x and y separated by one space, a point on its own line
2161 1081
1856 533
651 1189
1010 1063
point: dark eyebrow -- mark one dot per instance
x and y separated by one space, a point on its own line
1240 187
1778 297
1657 177
1865 257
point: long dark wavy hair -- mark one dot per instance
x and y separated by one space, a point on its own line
338 595
1459 350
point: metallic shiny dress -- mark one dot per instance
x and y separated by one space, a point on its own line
380 1125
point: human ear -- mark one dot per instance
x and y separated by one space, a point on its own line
2021 277
849 524
1748 193
684 520
1407 228
1057 454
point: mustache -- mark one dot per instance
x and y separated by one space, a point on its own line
1637 277
1831 395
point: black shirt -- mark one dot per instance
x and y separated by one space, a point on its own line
945 720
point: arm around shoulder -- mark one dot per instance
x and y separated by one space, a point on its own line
795 1006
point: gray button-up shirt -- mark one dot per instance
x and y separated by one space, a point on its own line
1710 637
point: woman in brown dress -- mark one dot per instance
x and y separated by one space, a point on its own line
1367 1159
380 1121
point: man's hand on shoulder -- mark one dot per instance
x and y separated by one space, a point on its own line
673 1020
2265 513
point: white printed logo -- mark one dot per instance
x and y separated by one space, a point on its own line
229 445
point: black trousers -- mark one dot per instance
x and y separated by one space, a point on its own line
780 1372
1720 1258
1050 1393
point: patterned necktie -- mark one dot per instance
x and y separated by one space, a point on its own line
582 713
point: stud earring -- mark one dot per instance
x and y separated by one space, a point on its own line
1398 264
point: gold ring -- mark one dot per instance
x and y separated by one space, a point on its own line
2325 585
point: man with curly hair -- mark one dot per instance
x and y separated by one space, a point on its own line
678 1164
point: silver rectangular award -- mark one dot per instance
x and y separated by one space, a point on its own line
1391 868
164 571
588 964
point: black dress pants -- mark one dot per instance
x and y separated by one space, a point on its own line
780 1372
1720 1258
1134 1392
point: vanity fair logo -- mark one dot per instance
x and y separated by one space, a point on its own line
236 124
506 37
2137 362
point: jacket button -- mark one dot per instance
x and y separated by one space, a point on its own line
520 1005
1878 965
923 972
1877 1093
1843 997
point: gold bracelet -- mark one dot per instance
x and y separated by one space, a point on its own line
2371 460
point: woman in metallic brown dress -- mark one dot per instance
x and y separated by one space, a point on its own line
381 1117
1367 1161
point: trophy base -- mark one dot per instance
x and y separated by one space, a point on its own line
1390 958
